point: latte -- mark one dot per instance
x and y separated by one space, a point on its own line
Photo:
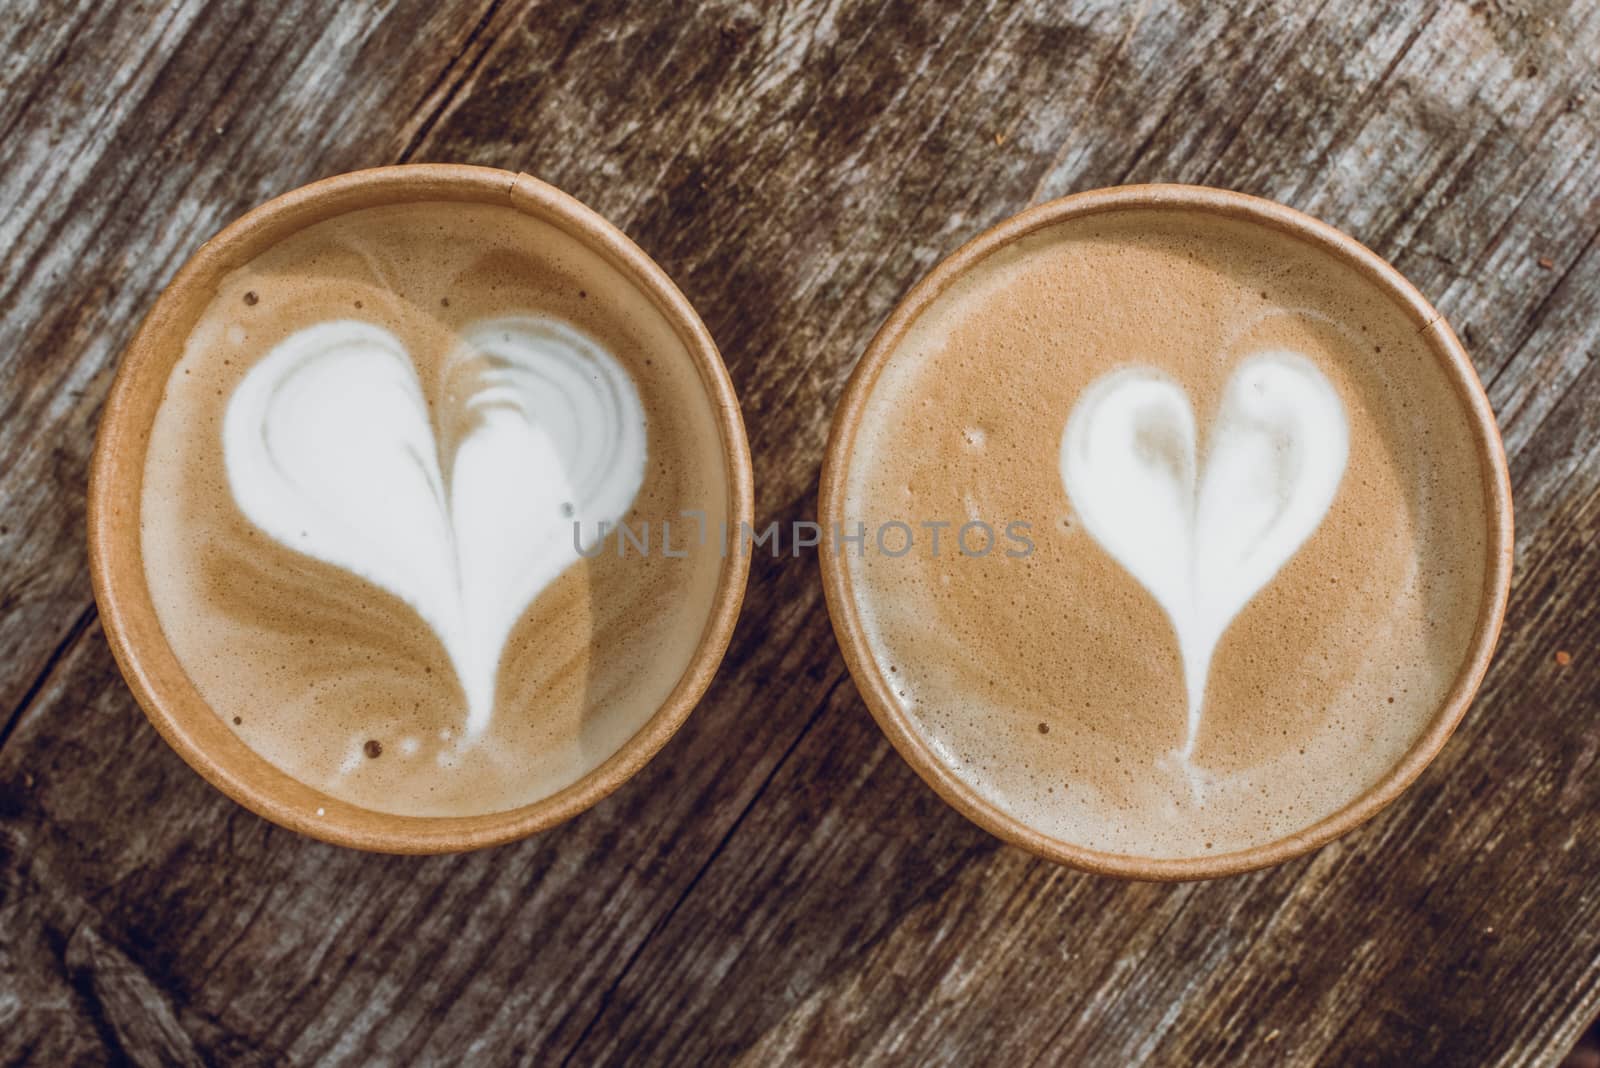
376 493
1260 528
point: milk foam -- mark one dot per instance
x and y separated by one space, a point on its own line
331 677
1053 686
1203 543
330 449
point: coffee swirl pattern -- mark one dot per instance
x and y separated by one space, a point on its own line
1204 540
330 449
363 489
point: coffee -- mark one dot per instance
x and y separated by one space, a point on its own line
377 501
1258 518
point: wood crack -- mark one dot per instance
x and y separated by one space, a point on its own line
450 94
79 627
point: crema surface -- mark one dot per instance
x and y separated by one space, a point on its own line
376 502
1258 553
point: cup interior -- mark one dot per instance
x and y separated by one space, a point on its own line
158 681
845 610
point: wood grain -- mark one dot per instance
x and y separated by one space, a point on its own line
777 885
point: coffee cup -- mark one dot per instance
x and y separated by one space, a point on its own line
1227 531
355 505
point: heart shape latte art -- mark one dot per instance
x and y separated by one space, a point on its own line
330 449
1204 541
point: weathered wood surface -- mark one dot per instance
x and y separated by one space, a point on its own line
777 885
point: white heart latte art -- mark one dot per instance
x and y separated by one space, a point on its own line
1204 542
329 449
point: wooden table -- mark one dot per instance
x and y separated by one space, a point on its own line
777 885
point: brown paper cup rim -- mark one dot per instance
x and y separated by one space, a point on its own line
1458 367
171 701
